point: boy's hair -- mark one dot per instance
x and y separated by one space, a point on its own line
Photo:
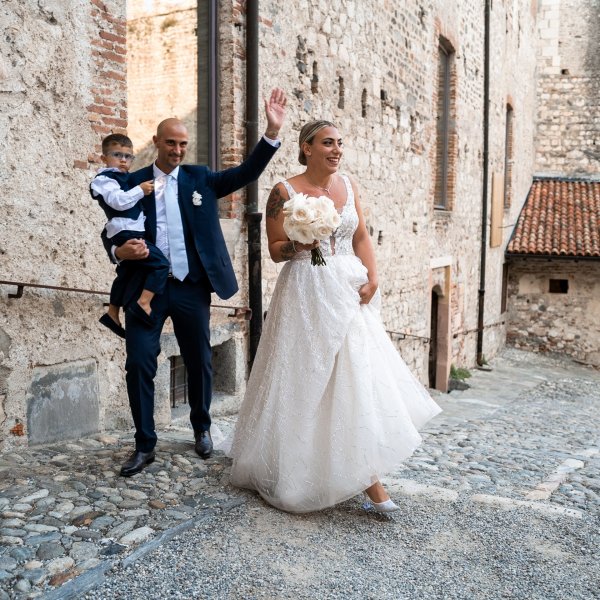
117 139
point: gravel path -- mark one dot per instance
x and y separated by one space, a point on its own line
431 550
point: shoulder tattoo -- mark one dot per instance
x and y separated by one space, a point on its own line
275 203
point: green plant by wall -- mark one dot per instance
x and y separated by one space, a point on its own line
459 373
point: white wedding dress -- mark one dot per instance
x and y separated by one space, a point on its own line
330 405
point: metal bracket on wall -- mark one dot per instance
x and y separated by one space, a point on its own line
21 285
401 335
242 312
18 294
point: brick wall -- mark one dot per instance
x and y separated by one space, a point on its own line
162 65
232 98
386 56
372 68
108 111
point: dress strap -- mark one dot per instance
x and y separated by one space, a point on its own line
290 190
349 190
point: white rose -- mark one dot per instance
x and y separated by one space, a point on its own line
333 220
288 207
295 200
299 232
303 234
322 232
303 214
324 204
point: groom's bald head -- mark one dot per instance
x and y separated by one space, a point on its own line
167 124
171 141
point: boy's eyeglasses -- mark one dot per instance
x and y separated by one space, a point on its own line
121 155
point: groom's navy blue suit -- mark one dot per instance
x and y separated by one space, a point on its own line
186 302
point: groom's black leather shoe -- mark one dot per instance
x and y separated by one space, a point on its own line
136 462
203 445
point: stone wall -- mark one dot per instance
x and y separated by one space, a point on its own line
62 87
382 94
568 129
568 323
371 67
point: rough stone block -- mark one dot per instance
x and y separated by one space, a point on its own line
228 366
63 402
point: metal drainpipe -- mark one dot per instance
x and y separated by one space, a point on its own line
484 208
253 217
207 132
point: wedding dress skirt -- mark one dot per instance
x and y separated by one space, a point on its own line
330 406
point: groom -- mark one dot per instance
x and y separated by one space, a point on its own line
182 219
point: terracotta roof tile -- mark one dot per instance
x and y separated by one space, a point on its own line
560 218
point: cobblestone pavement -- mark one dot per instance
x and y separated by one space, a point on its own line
529 431
501 500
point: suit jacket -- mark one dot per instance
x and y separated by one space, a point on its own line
201 222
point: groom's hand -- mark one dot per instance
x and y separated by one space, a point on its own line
275 111
132 250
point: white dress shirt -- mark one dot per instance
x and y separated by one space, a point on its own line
111 192
160 181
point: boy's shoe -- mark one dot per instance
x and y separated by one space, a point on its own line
107 321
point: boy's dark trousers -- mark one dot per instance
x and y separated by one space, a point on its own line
149 273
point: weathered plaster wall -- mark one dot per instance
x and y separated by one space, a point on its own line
550 322
568 130
61 87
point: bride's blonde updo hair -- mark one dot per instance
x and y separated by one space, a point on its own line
307 134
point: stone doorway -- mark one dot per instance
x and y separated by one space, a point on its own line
433 339
440 350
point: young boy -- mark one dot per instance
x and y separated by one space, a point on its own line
123 207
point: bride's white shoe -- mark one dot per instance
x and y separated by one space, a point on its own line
387 506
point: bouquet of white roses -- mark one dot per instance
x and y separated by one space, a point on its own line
307 219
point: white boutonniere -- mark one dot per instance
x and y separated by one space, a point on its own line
197 199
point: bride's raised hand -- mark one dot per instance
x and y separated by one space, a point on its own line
367 291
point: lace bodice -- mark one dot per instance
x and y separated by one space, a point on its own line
341 241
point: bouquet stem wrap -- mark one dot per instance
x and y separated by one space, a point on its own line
316 257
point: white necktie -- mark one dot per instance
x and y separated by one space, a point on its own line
179 262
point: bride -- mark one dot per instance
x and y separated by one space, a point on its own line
330 405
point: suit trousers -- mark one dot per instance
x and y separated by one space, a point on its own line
188 305
154 270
